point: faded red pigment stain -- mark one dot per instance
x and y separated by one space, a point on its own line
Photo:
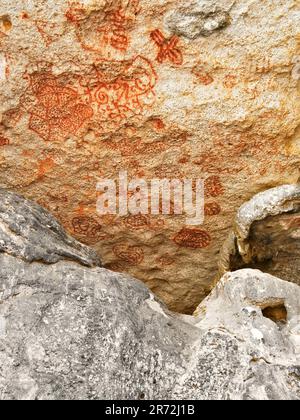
158 124
88 228
45 165
169 172
4 141
58 109
203 77
128 143
192 238
184 159
47 31
24 15
230 81
165 260
168 48
105 29
143 222
12 116
132 147
27 153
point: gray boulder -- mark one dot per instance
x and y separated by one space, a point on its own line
199 18
70 331
29 232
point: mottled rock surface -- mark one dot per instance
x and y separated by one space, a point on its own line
29 232
266 235
68 331
199 18
176 89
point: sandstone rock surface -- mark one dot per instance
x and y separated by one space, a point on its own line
68 331
175 89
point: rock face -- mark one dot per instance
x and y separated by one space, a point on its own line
29 232
177 89
68 331
194 19
266 235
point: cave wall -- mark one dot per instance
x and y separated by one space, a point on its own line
175 89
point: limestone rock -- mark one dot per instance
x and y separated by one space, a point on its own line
266 235
68 331
91 88
259 317
29 232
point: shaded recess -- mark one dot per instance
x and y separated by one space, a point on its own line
277 314
266 235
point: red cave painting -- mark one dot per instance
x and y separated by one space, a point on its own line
136 222
213 187
58 106
143 222
205 79
45 165
127 147
55 110
165 260
131 255
212 209
4 141
192 238
153 148
127 95
87 227
103 29
168 50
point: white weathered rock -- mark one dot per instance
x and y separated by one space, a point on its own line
68 331
266 234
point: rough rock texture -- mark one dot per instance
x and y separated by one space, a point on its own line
68 331
193 19
29 232
161 88
266 235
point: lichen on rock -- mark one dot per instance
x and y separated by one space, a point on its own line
199 18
